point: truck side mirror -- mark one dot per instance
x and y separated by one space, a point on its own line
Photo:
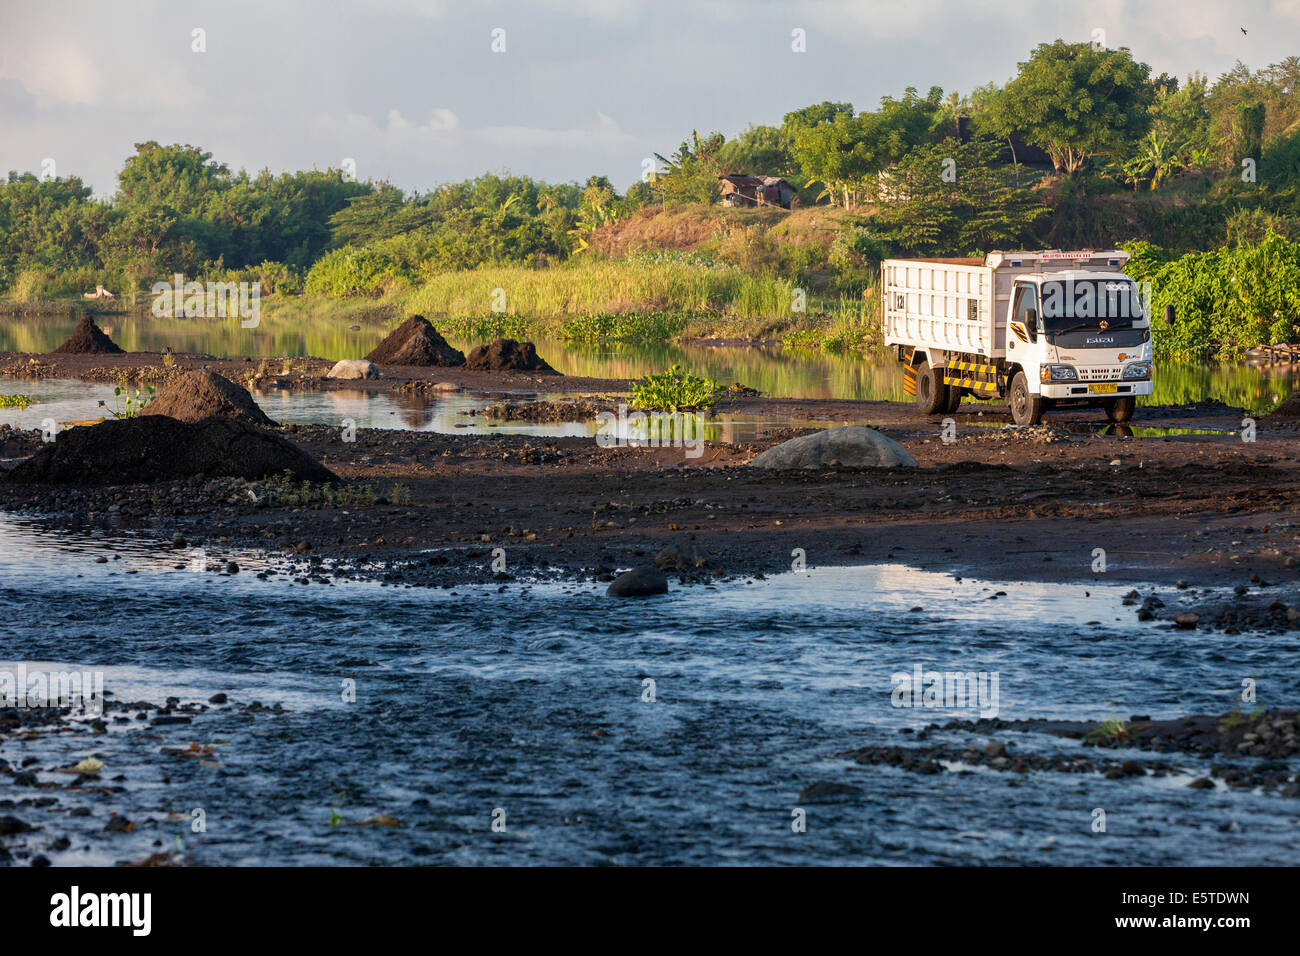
1169 316
1031 324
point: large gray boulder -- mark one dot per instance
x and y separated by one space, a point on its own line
353 368
852 446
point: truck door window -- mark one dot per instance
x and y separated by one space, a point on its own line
1026 300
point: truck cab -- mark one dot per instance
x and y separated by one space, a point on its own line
1077 338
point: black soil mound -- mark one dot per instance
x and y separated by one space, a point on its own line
1289 410
88 339
201 394
158 448
416 342
507 355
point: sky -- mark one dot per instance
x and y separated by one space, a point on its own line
420 92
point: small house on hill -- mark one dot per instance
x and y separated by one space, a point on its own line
740 190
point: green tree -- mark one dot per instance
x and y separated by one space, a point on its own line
953 198
1077 102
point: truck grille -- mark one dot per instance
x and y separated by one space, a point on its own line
1099 374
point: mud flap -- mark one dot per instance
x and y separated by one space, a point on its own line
909 372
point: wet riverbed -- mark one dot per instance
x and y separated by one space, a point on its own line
530 704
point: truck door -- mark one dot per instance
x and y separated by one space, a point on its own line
1024 321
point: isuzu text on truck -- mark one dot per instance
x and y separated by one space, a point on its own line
1037 329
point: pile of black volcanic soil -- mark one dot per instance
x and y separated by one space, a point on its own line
88 339
415 342
202 394
507 355
158 448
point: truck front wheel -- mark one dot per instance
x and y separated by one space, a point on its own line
1026 407
931 393
1121 409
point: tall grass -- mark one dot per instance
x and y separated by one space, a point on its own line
604 286
642 299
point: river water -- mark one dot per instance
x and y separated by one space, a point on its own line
530 703
771 370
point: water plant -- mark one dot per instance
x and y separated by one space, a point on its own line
128 402
15 401
674 390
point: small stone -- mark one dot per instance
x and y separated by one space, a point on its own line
1186 621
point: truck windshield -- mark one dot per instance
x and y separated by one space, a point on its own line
1083 303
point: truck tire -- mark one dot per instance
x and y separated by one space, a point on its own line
931 393
1121 409
954 399
1026 408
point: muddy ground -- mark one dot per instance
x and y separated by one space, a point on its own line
1208 509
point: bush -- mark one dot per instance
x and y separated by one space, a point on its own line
673 390
1225 301
30 284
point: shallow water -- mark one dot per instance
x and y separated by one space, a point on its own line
771 370
70 400
488 698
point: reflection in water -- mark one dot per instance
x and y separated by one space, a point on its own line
771 370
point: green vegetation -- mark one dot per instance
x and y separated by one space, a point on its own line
1110 731
128 402
673 391
20 402
1225 300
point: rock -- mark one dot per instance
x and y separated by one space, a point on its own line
1186 621
202 394
854 446
118 824
1132 768
416 342
995 748
507 355
826 791
158 448
1202 783
353 368
10 825
639 582
670 559
218 699
88 339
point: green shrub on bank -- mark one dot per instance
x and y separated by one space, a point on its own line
1226 300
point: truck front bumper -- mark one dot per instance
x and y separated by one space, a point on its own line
1087 390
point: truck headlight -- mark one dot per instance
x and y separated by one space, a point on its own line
1057 373
1137 371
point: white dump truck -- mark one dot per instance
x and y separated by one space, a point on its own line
1035 329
